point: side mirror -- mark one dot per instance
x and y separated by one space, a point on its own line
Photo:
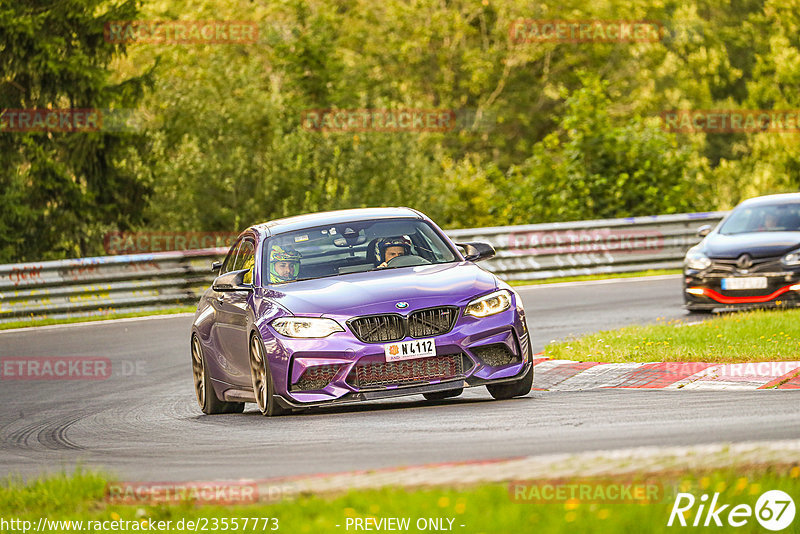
216 266
477 251
704 230
232 281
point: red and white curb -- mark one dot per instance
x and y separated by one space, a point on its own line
567 375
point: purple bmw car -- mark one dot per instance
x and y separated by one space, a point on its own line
350 306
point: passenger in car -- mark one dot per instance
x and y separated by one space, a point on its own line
392 247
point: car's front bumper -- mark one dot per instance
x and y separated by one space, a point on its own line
704 291
403 391
342 356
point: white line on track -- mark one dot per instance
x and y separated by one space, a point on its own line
599 282
92 323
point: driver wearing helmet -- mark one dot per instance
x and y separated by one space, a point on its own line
770 222
392 247
284 264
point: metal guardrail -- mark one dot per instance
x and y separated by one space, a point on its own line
104 285
143 282
538 251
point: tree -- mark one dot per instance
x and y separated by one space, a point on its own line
595 166
59 190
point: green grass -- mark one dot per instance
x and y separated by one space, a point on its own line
583 278
750 336
483 508
25 323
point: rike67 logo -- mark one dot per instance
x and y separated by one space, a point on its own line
774 510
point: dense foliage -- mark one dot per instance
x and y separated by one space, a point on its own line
546 131
60 190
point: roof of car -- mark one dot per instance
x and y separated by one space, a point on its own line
298 222
783 198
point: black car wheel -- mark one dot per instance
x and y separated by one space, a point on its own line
518 388
263 387
441 395
206 397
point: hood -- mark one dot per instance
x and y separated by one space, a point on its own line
378 291
757 244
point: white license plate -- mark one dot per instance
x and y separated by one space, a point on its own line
408 350
755 282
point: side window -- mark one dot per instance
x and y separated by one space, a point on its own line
230 259
245 259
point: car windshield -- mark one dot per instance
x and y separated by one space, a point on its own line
355 247
763 218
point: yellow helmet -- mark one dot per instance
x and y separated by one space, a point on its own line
288 254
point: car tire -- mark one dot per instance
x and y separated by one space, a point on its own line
263 386
204 390
518 388
441 395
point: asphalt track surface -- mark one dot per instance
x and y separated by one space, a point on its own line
143 422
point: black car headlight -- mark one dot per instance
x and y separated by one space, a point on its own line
792 259
696 260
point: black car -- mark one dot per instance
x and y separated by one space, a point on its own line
751 259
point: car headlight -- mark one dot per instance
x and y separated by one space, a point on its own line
792 259
696 260
490 304
306 326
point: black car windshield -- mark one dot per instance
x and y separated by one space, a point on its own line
355 247
763 218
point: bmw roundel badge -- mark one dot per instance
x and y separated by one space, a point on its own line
402 305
